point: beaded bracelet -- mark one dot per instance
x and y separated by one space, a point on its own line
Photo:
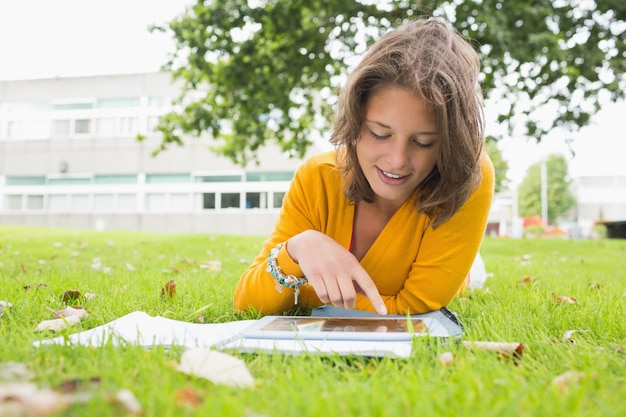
280 279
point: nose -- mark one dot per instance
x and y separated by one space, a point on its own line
398 154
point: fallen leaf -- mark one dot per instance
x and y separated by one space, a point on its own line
129 267
36 287
201 318
68 311
4 305
71 386
128 400
90 296
503 349
64 318
169 289
70 295
566 379
15 371
215 366
564 299
188 397
212 266
57 324
26 399
446 358
567 336
526 280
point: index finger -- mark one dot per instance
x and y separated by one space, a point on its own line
371 292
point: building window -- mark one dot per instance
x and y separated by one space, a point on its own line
34 202
230 200
126 202
103 203
121 102
60 127
79 203
179 202
156 202
82 126
72 106
278 200
129 125
115 179
69 181
206 201
269 176
13 202
256 200
25 180
218 178
57 202
106 126
167 178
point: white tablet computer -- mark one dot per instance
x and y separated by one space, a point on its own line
380 328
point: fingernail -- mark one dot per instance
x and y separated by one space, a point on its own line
382 310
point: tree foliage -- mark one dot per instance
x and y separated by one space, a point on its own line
559 196
500 166
254 71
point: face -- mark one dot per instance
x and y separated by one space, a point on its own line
398 144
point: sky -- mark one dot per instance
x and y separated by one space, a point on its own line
65 38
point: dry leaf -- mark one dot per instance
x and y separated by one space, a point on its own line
90 296
188 397
567 336
526 280
71 386
70 295
4 305
561 382
564 299
217 367
169 289
26 399
57 324
37 286
212 266
64 318
201 318
128 400
68 311
446 358
129 267
15 371
503 349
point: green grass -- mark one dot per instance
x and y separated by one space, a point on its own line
476 384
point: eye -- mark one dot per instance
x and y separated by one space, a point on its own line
423 145
378 137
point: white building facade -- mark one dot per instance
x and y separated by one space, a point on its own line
69 157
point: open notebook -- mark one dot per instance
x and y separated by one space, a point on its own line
142 329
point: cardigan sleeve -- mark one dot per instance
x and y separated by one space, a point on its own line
256 289
445 255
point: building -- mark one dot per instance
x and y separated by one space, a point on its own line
69 157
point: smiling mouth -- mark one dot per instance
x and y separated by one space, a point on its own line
390 175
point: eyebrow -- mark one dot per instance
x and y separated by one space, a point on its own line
389 127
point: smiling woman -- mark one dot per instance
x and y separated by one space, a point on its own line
391 220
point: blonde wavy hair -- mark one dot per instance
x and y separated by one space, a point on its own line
429 59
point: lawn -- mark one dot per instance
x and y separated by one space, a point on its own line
540 290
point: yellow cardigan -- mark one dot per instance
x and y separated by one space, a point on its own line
416 269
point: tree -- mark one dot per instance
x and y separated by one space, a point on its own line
500 166
254 71
560 198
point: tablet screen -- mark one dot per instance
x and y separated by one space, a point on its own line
351 324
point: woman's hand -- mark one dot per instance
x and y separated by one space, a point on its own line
335 274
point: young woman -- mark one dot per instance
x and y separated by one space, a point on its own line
391 220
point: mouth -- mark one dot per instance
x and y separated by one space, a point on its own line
391 178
